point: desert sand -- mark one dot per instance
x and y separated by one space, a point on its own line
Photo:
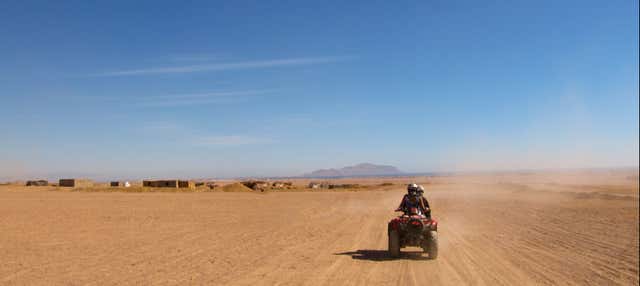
510 229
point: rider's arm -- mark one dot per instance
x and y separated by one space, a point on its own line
402 203
426 203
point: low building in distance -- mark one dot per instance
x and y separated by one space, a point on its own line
38 183
76 183
168 184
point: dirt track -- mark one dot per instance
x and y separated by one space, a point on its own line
490 234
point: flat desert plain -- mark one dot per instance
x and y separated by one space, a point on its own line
494 229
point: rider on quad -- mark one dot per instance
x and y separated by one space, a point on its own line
415 227
415 199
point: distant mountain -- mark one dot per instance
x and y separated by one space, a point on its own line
364 169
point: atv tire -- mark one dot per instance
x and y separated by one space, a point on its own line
432 245
394 244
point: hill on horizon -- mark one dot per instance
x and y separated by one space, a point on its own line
363 169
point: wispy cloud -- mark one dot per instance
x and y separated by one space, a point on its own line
231 140
212 94
196 58
201 98
225 66
180 99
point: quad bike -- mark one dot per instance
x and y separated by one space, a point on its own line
413 229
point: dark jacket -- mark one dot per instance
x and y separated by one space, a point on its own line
423 205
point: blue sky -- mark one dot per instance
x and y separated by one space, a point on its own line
131 89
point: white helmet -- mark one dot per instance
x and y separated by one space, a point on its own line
412 189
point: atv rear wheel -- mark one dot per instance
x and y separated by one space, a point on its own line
432 245
394 244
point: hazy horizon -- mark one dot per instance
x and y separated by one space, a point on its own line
106 178
266 90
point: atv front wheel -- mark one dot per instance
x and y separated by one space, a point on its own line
394 244
432 245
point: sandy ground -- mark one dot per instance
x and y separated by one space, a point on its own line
493 230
